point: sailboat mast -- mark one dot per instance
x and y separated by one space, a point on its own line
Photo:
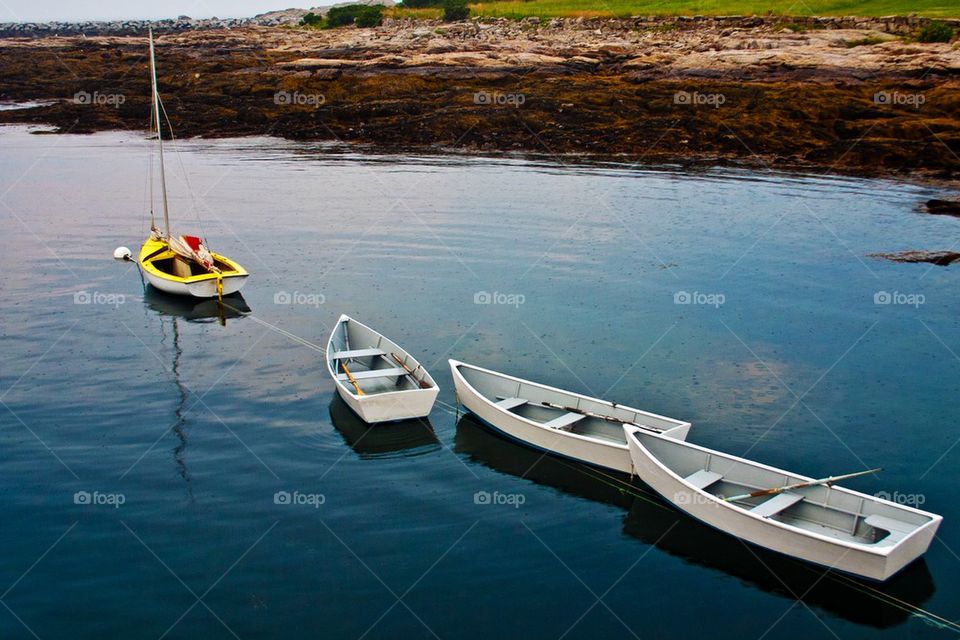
153 220
156 113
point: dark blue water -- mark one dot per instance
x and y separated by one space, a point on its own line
181 430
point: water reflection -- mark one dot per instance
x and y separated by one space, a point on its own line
484 446
406 438
196 309
653 522
180 421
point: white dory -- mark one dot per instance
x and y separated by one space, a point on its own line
827 525
559 422
380 381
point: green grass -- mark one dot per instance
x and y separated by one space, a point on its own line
864 42
427 13
623 8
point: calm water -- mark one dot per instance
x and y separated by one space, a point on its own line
195 426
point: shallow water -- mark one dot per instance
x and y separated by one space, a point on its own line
195 425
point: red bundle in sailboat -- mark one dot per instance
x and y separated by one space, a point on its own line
193 248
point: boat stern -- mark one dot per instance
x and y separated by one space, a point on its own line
392 407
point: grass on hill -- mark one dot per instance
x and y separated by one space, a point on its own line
623 8
425 13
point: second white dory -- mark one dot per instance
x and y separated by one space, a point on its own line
378 379
560 422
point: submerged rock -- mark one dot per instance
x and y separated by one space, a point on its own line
940 258
943 207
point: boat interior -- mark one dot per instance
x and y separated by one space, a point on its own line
562 419
820 509
182 268
560 410
369 358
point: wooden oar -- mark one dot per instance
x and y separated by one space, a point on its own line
350 377
800 485
423 384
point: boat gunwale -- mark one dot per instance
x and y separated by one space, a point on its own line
456 364
886 550
349 388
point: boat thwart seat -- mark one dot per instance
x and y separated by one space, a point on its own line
702 479
508 404
776 504
373 373
897 528
358 353
564 421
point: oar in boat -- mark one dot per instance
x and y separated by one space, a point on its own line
423 383
350 377
800 485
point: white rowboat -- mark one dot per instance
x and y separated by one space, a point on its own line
823 524
375 377
559 422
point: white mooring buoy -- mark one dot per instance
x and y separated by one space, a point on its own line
121 253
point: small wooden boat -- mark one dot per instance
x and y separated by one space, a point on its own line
375 377
171 272
181 264
559 422
818 522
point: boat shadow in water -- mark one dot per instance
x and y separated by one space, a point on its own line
196 309
396 439
649 519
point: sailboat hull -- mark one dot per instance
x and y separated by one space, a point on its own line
203 285
203 289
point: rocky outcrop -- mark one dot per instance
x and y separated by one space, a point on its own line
944 207
714 90
939 258
899 25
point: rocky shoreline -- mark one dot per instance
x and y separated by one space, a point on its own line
894 24
285 17
836 94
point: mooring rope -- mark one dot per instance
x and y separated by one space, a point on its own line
283 332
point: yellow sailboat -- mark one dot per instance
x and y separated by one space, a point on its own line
182 265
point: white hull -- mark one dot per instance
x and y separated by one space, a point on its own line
792 533
204 289
390 407
379 402
599 450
